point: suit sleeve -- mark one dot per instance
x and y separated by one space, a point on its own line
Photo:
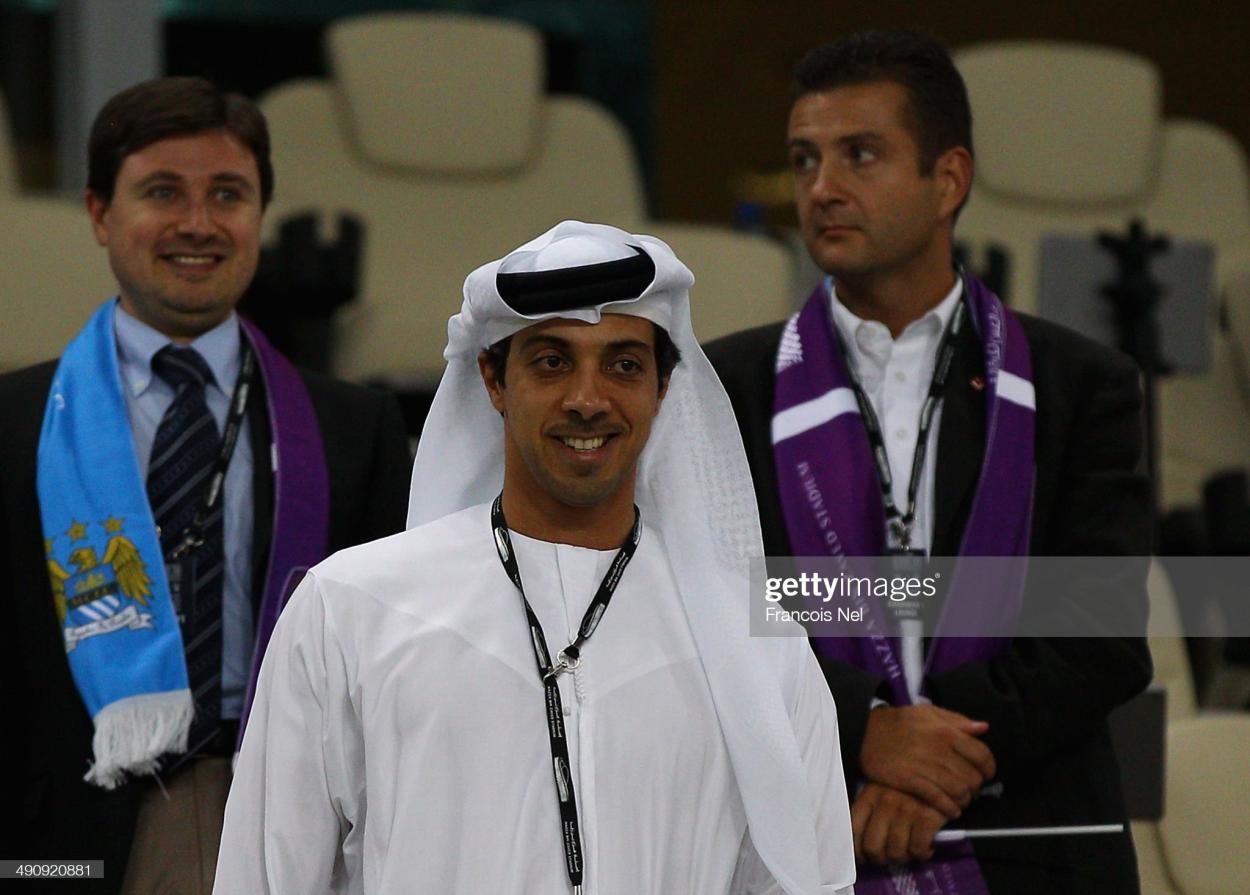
386 497
298 783
1040 695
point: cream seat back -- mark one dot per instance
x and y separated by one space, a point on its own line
52 277
1070 140
1171 665
740 280
1067 139
1171 661
435 131
1204 420
1204 832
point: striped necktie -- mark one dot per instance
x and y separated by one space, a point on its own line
183 453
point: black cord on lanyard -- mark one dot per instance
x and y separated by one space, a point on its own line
193 536
902 523
566 660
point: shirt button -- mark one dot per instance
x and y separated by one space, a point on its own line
900 376
900 434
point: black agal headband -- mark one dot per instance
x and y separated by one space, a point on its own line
537 292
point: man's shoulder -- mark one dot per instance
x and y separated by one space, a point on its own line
745 343
356 418
417 559
746 359
23 399
1063 354
28 382
323 387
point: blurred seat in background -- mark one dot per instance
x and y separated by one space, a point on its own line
1071 139
1208 796
436 133
1067 141
52 277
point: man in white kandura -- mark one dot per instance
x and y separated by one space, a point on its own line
553 690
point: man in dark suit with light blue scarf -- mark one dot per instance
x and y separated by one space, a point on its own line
162 488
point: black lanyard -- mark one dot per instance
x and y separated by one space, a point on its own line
193 536
902 523
566 660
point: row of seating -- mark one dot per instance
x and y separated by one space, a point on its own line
1198 847
1071 139
451 162
447 163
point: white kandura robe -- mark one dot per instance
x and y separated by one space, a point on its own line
398 744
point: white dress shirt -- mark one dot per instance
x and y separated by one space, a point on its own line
147 398
896 374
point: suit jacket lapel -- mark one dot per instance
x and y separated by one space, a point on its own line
961 445
261 439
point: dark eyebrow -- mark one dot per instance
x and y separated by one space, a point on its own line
844 140
157 176
861 137
226 178
235 180
542 340
630 345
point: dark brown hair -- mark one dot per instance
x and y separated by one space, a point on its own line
172 107
938 113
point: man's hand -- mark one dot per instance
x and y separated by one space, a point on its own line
927 752
891 827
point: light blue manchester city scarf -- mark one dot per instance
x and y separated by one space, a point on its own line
106 567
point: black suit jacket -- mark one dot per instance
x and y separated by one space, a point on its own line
47 731
1046 700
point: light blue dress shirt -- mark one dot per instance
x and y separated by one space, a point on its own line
147 398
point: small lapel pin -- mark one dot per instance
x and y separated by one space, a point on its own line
978 383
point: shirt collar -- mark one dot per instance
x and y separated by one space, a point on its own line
934 320
137 344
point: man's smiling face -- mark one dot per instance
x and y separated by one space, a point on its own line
182 230
578 405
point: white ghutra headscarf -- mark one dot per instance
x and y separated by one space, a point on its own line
693 486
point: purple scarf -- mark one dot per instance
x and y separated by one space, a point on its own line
831 499
301 489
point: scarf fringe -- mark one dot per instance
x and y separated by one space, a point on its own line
131 735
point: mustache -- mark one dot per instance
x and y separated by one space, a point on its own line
589 430
207 244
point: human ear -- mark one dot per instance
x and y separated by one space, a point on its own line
97 208
494 388
953 170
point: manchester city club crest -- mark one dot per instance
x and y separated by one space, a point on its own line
106 586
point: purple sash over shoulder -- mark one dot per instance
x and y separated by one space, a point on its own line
301 488
831 499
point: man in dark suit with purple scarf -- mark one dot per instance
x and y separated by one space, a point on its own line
904 410
163 487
